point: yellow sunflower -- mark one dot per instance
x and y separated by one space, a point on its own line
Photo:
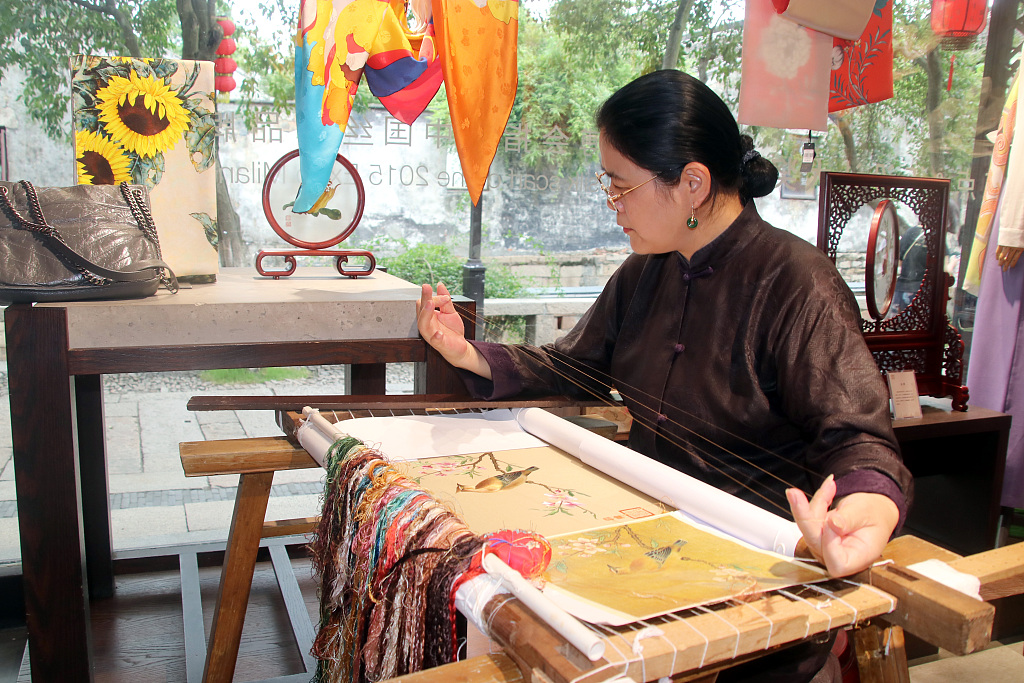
100 160
142 113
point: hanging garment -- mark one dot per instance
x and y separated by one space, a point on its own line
862 69
995 373
469 44
993 188
843 19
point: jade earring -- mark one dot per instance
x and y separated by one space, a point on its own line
691 222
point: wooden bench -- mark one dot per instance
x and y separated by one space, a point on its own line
255 461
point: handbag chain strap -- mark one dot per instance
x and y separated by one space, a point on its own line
41 226
143 216
133 197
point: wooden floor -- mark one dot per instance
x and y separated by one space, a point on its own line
138 635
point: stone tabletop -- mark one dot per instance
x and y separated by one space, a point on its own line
314 304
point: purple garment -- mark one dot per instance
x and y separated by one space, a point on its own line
995 374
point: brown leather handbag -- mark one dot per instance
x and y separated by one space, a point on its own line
80 242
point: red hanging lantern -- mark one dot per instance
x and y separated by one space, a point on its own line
958 22
224 83
227 25
224 66
226 47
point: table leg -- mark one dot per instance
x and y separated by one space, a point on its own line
881 654
49 494
367 379
92 463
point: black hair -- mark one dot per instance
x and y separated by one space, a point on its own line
667 119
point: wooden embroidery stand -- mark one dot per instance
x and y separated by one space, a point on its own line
691 645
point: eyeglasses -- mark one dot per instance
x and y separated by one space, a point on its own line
612 198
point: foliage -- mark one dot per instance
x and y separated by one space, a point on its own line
252 376
39 37
268 77
433 263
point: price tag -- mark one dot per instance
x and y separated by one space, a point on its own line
807 159
906 400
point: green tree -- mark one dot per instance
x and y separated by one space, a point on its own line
38 36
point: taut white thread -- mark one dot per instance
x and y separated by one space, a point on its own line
771 624
736 649
892 600
707 643
794 596
832 596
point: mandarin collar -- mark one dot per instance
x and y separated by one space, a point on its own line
732 240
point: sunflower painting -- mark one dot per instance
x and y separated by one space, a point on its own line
152 122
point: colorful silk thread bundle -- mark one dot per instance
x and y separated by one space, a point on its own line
388 555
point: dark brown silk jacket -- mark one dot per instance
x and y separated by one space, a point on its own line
744 367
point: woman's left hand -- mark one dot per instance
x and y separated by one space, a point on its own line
850 537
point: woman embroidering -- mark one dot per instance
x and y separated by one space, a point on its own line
736 346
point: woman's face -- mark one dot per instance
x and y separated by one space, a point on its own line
652 216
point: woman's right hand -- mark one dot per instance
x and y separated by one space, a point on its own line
442 327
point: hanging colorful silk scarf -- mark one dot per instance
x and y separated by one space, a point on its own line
336 44
785 65
993 187
340 41
862 69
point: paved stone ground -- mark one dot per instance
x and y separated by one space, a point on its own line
152 502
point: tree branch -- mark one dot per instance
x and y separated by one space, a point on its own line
189 30
131 41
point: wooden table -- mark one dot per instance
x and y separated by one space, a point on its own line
957 459
57 354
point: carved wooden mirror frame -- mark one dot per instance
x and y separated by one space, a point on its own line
919 337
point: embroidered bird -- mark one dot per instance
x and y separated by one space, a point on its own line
652 560
499 482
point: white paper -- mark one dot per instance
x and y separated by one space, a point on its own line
414 437
939 571
906 399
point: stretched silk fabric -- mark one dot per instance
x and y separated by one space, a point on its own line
469 44
862 68
993 188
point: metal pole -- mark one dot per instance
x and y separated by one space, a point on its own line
473 272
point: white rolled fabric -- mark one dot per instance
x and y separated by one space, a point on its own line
316 434
845 19
704 502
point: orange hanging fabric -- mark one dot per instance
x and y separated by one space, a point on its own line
993 188
476 41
